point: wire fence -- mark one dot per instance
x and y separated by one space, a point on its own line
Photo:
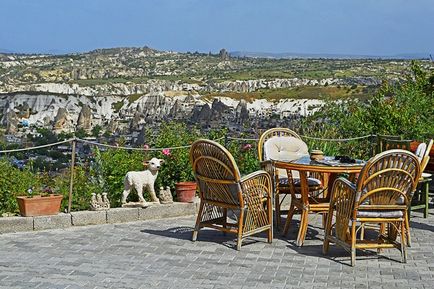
226 139
171 148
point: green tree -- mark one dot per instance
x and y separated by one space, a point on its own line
96 130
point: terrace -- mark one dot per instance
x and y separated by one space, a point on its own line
160 254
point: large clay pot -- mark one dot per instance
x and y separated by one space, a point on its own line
185 191
39 205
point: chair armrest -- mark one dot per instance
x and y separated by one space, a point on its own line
256 185
268 166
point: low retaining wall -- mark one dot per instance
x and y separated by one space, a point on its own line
84 218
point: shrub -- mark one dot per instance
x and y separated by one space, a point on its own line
13 183
115 164
405 109
177 167
245 154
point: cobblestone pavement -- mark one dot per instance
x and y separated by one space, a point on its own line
159 254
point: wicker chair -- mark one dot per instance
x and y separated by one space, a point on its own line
381 142
390 144
421 197
380 196
221 188
284 182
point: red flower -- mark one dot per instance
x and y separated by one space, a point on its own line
247 146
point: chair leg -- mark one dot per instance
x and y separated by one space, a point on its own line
225 217
270 220
289 219
324 220
277 210
362 231
403 244
197 226
240 230
353 244
380 234
426 199
407 229
303 227
327 233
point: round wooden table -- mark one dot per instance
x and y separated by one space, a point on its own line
330 169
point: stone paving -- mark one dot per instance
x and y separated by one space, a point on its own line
159 254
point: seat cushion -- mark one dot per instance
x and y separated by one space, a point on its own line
426 175
379 214
285 148
312 182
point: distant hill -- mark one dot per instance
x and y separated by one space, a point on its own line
290 55
6 51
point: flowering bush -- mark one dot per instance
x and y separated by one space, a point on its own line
177 167
13 183
245 154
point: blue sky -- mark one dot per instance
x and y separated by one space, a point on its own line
362 27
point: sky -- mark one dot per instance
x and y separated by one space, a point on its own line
358 27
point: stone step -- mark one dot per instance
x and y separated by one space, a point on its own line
84 218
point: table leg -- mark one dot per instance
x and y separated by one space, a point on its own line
331 180
304 187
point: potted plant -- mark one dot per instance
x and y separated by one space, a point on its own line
45 203
180 175
185 191
176 172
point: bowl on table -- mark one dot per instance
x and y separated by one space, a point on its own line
316 155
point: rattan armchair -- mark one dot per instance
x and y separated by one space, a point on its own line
421 198
284 182
221 189
380 196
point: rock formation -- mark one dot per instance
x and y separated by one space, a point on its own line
60 119
85 118
11 122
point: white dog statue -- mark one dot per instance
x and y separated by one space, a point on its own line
141 179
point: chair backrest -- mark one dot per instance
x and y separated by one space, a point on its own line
216 172
390 144
272 136
425 156
381 141
387 178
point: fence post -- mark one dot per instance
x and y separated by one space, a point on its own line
71 182
373 139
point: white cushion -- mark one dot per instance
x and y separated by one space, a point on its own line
285 148
379 214
420 151
426 175
312 182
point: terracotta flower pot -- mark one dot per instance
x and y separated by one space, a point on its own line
39 205
185 191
